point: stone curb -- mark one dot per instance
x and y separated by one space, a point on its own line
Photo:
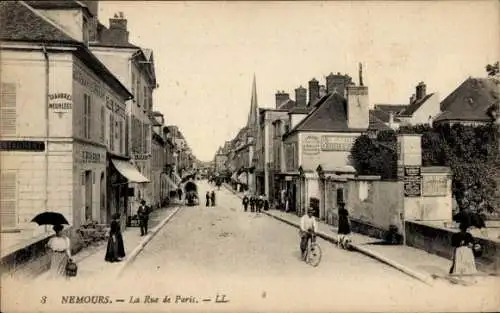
414 274
144 242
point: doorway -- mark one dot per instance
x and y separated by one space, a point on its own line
88 195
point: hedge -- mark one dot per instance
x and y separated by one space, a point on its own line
471 152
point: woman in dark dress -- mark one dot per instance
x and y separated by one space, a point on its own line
207 196
115 250
344 227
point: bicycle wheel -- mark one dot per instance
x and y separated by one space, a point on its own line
314 254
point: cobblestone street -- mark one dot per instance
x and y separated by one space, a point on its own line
254 261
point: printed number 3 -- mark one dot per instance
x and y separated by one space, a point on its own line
43 300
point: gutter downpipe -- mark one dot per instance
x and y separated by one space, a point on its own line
47 129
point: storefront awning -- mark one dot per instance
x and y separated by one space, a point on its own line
177 177
129 171
171 183
242 179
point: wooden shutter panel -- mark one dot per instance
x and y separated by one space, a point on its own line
8 199
8 110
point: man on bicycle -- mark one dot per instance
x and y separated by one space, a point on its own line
308 229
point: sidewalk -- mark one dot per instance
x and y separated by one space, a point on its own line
413 262
91 262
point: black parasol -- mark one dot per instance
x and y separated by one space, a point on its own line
50 218
470 219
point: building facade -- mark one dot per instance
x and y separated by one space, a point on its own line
58 102
134 67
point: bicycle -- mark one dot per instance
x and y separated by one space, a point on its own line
312 255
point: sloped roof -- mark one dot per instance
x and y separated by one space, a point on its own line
330 115
384 116
287 105
413 107
300 110
471 100
395 108
376 123
21 23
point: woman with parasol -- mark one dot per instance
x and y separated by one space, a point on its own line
59 245
463 262
60 253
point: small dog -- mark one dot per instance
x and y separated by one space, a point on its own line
343 241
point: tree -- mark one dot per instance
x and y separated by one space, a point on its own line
493 69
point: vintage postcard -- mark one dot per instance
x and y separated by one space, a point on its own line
250 156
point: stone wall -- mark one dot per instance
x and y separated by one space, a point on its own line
437 240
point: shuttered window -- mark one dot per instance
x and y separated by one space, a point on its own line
112 132
103 124
8 114
120 136
87 116
8 199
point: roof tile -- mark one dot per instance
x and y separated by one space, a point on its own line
19 23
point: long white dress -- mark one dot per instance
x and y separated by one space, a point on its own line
59 247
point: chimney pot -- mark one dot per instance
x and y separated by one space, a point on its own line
421 91
313 90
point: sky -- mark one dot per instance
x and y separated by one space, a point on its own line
206 53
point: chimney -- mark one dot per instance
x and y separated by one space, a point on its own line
391 119
281 97
313 90
322 91
301 96
421 91
358 107
337 83
412 98
118 28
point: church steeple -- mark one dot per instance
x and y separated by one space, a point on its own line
252 115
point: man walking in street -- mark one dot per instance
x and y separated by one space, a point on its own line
207 196
245 203
143 214
212 197
252 203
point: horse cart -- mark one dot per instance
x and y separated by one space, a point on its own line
191 192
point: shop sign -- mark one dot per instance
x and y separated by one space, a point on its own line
435 185
91 157
337 143
22 145
87 81
412 181
142 156
60 102
311 145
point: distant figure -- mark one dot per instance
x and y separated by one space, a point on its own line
252 203
245 203
115 250
266 204
260 203
212 197
207 196
179 193
59 246
143 214
344 227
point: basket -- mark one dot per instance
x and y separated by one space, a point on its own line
71 269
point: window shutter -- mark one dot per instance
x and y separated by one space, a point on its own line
8 110
8 199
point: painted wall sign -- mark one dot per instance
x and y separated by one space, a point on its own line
91 157
142 156
87 81
412 181
290 156
435 185
337 143
311 145
22 145
60 102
